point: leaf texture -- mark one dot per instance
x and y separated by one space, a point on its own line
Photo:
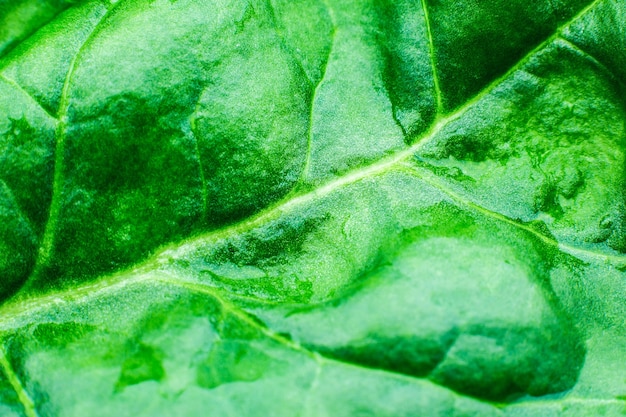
312 208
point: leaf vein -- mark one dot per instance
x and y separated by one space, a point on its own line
19 88
371 170
388 163
318 357
45 249
307 160
587 55
25 400
524 60
433 59
567 248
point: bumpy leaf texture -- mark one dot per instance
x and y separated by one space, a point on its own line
312 208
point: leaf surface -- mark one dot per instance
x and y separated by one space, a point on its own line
311 208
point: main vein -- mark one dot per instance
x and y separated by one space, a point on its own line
386 164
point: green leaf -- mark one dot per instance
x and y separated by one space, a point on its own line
312 208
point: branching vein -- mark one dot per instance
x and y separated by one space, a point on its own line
578 252
317 357
384 165
59 166
588 56
26 94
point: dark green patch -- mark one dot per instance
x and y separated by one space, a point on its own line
444 220
18 244
451 172
412 355
143 364
266 246
60 335
501 363
402 37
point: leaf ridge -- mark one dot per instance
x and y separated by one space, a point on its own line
205 190
60 134
278 28
433 59
312 387
394 115
25 400
570 400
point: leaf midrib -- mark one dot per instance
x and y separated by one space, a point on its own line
393 161
292 200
